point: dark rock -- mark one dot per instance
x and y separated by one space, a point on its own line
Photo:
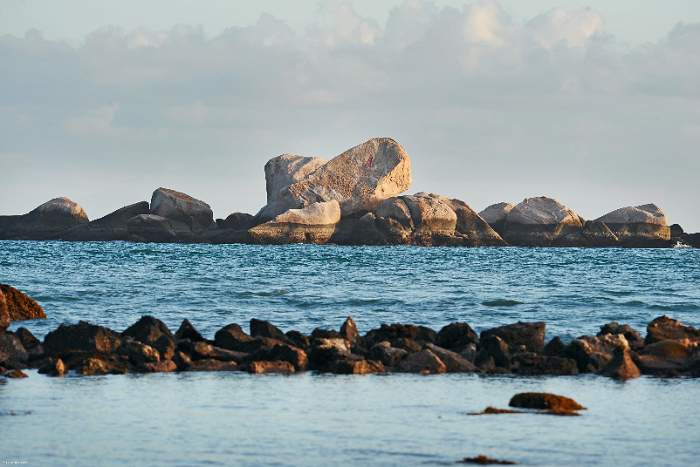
4 314
469 353
592 234
111 227
483 460
82 336
12 352
20 306
531 335
54 367
633 337
282 352
663 328
456 337
533 364
324 334
137 352
357 367
485 361
188 331
165 366
555 348
454 362
669 349
236 221
151 331
544 401
324 352
16 374
182 361
266 329
592 353
270 367
621 366
300 340
424 361
231 337
496 348
201 350
349 330
27 338
385 353
419 334
94 366
409 345
214 365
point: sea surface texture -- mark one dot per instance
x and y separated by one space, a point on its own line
311 419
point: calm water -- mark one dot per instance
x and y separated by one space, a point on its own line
308 419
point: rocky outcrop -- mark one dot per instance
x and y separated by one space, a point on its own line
360 179
20 306
314 223
496 215
540 222
639 226
114 226
287 169
180 207
44 222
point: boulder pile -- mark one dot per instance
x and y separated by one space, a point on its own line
617 351
356 198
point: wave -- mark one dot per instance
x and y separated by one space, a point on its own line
501 303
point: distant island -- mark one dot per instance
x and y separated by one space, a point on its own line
354 199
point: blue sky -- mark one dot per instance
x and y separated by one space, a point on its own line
595 104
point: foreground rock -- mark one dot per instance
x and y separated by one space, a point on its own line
359 180
19 305
544 401
639 226
4 314
44 222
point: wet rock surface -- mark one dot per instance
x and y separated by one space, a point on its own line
148 346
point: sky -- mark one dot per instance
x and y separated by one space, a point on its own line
596 104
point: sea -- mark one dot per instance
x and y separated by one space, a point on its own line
309 419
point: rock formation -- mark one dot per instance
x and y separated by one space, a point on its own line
114 226
19 305
176 206
287 169
539 222
638 226
44 222
496 215
359 179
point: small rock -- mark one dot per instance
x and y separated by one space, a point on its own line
386 354
202 351
454 363
424 361
213 365
270 367
188 331
349 330
483 460
357 367
266 329
54 367
165 366
555 348
544 401
621 366
151 331
456 337
16 374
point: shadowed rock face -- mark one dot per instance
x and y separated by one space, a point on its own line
287 169
111 227
43 222
359 179
641 226
496 215
181 207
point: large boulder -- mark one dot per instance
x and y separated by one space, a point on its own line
496 215
360 179
287 169
539 222
181 207
639 226
44 222
314 223
81 337
430 213
111 227
20 306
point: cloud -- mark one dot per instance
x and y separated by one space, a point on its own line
489 108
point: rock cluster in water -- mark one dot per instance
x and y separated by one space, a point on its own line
354 199
617 351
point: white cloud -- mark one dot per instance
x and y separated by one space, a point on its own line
477 99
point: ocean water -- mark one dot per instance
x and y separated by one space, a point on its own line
311 419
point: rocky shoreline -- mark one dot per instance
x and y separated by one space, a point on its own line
669 349
355 198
